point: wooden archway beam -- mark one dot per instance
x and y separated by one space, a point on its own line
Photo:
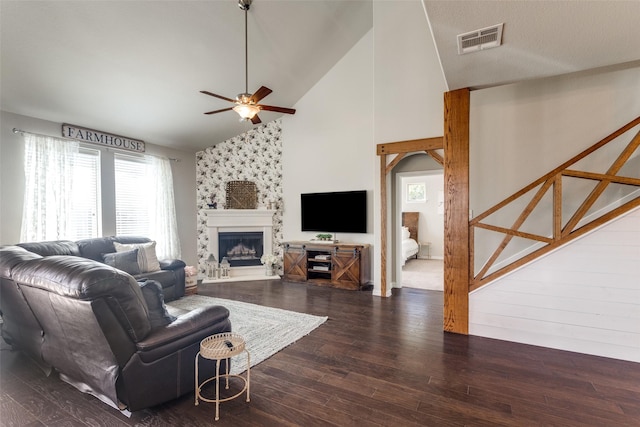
401 148
422 144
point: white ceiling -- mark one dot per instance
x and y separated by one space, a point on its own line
136 67
540 38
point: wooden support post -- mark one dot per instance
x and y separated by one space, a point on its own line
383 225
456 220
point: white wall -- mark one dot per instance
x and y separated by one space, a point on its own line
521 131
327 144
584 297
518 133
12 182
409 85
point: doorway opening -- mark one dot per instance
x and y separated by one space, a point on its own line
418 223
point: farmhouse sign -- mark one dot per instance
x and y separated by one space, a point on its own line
101 138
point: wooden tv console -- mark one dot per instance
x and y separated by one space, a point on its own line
338 265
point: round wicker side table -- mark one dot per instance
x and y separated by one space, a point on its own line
221 347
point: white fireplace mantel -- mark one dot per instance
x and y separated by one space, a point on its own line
240 220
239 217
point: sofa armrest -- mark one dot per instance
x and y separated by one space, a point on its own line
188 328
171 264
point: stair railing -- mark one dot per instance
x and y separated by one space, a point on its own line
573 227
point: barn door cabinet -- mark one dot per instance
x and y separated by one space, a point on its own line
339 265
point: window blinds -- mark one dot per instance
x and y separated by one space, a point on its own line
132 195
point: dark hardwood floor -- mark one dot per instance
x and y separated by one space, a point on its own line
374 362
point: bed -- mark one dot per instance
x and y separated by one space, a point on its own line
410 247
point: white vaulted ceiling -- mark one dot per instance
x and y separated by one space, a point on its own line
136 67
540 38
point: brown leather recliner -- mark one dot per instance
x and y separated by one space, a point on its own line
90 322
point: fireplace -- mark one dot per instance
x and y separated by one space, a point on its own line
241 249
241 235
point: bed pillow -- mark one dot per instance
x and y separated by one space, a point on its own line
405 233
147 258
158 314
126 261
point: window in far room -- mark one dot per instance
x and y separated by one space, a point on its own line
416 192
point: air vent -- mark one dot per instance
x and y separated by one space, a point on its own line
485 38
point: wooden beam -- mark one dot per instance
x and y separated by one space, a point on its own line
392 164
557 243
383 225
557 207
512 232
423 144
435 156
456 219
602 185
602 177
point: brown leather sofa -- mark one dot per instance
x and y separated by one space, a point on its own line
170 275
91 323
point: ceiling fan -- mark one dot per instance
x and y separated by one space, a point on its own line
247 104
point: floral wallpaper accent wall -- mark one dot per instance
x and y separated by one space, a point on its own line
253 156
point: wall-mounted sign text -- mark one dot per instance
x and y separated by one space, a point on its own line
101 138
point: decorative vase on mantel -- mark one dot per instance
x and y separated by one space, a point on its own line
268 270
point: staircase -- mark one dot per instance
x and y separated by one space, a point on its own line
557 263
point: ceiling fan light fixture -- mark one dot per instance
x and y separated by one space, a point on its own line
246 111
246 104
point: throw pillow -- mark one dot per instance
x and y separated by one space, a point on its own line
158 315
147 258
126 261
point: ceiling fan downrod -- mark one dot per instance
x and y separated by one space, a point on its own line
245 5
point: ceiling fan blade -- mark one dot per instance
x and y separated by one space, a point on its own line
219 111
260 93
255 120
277 109
217 96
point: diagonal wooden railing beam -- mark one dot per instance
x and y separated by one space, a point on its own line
556 243
512 232
560 235
615 179
602 185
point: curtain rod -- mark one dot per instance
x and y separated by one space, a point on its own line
23 132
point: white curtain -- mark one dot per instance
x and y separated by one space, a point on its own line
48 165
162 214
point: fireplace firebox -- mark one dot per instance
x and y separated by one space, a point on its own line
241 249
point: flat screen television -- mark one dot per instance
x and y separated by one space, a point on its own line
335 212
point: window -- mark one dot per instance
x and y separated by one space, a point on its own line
145 204
416 193
62 198
62 190
85 203
132 195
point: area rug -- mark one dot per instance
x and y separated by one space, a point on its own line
266 330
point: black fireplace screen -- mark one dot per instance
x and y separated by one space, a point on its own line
241 248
